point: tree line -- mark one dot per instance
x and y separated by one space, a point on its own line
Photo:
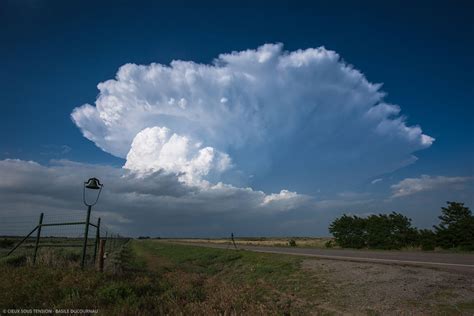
395 231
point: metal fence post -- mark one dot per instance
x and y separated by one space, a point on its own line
38 236
97 237
86 233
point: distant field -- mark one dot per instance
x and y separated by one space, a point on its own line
310 242
156 277
46 244
303 242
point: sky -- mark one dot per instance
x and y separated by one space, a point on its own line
240 117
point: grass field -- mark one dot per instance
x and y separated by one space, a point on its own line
161 278
156 277
310 242
302 242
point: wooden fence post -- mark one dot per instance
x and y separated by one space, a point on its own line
38 236
101 254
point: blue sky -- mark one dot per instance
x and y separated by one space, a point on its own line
55 53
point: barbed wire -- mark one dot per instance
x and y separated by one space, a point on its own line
58 230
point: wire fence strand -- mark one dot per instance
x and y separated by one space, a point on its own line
60 233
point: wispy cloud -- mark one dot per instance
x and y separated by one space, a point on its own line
411 186
376 180
55 150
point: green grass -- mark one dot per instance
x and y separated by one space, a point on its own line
161 278
152 277
246 280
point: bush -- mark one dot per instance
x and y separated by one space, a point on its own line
292 243
329 244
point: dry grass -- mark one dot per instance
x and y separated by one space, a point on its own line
160 278
308 242
207 281
163 279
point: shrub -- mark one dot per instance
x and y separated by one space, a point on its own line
329 244
292 243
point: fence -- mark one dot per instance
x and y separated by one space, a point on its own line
75 232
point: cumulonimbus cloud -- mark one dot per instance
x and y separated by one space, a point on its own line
262 111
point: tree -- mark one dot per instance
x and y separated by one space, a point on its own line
392 231
378 231
349 231
426 239
456 228
403 233
383 231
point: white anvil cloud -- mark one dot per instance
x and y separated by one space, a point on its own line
249 110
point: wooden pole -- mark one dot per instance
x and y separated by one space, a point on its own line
101 254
